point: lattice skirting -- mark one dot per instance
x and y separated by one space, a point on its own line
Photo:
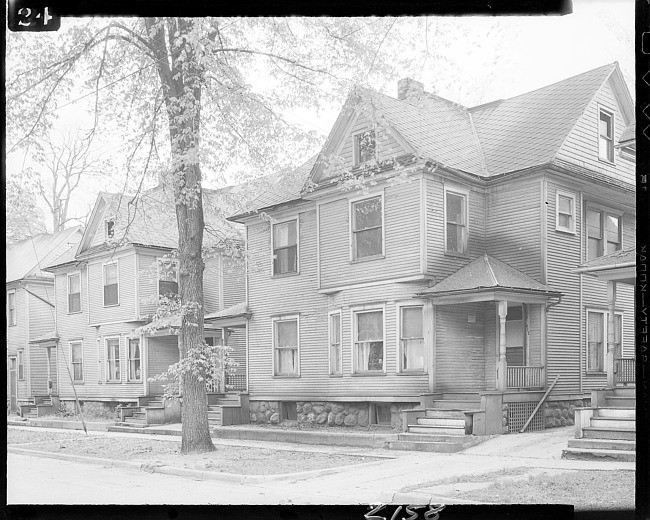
518 414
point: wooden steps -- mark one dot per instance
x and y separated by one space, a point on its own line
227 409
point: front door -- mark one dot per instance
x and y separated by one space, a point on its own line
13 384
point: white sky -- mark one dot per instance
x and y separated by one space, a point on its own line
539 51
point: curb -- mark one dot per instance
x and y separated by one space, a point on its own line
185 472
419 497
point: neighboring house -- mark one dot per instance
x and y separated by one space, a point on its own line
31 361
448 279
108 288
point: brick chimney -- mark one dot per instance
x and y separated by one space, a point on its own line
409 88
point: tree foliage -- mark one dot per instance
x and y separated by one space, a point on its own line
23 218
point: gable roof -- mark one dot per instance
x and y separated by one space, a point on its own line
486 273
28 257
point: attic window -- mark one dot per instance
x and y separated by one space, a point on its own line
109 228
606 136
365 147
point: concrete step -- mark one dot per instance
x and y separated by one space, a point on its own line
603 444
440 447
436 430
618 423
620 401
461 396
441 421
625 391
423 437
591 432
616 413
595 454
445 414
457 404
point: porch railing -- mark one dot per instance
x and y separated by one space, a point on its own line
236 382
525 377
625 370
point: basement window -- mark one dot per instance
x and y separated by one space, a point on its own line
382 414
288 411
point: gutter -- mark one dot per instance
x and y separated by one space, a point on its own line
604 267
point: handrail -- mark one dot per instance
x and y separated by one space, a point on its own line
540 403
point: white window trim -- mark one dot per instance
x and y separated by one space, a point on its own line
117 264
593 206
274 320
284 221
338 312
398 332
128 359
106 221
610 113
351 203
356 158
353 312
569 195
20 355
68 276
107 358
463 192
70 343
158 261
605 313
11 323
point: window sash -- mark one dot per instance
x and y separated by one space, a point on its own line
167 277
285 247
367 227
595 341
605 136
456 222
113 360
76 360
11 305
412 338
604 232
21 365
565 212
135 373
111 291
365 147
369 341
286 347
335 344
74 293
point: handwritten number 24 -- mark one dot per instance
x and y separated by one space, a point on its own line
28 17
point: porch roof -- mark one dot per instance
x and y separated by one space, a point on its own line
233 316
619 266
489 279
50 337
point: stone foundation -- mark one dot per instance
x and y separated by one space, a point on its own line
265 412
562 413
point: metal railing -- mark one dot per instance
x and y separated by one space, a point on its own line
525 377
625 370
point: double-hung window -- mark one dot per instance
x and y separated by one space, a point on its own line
111 289
597 339
77 361
411 338
285 247
74 293
285 346
167 277
606 136
134 360
365 147
113 359
603 233
367 228
368 339
335 343
21 365
565 212
455 222
11 308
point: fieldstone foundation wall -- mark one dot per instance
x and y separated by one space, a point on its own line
561 413
265 412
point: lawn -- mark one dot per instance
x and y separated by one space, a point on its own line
242 460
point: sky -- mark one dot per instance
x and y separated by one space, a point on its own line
507 56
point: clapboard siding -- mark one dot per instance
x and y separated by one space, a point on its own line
401 234
460 347
234 281
581 146
491 345
534 335
237 341
162 352
147 265
126 309
17 334
438 263
38 370
212 281
513 225
41 315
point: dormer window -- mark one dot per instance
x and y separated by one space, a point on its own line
109 228
365 147
606 136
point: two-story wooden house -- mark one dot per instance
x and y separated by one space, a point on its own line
108 288
427 259
31 379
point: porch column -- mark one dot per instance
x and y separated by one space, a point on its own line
502 376
611 334
49 370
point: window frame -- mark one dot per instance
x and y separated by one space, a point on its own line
117 270
352 231
354 312
464 193
400 350
108 359
609 139
12 312
109 228
356 148
280 222
284 319
129 360
72 363
330 315
604 213
573 217
68 277
20 365
159 260
605 315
